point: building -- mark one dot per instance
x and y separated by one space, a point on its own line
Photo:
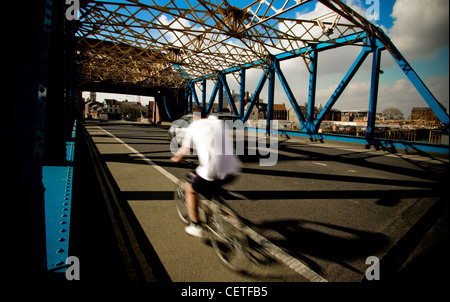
279 112
424 116
354 115
333 115
292 116
93 110
113 109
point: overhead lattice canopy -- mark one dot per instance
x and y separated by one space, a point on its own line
168 43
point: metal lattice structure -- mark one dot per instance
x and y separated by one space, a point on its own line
168 43
179 44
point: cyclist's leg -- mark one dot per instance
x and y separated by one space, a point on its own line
192 202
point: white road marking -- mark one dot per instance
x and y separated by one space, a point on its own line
293 263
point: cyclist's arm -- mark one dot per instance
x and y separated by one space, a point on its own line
185 148
180 154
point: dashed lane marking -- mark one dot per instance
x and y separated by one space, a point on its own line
293 263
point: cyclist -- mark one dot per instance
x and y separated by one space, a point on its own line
217 163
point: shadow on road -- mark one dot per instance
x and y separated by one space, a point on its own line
306 240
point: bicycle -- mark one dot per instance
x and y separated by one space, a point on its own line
220 223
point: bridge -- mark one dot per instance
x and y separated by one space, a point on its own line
172 50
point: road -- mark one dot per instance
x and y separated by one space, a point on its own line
328 206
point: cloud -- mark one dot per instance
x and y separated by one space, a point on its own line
420 28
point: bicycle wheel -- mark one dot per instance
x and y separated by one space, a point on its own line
228 240
180 202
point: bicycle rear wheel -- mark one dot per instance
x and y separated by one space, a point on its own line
180 202
227 238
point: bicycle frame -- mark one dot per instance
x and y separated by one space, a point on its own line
222 225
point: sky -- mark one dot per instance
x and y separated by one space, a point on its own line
419 29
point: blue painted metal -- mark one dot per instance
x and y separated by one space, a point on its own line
189 98
57 181
166 108
290 95
204 93
212 98
343 41
242 92
70 151
223 79
270 99
342 85
389 144
375 79
311 125
383 143
74 129
418 83
194 94
312 92
254 97
220 98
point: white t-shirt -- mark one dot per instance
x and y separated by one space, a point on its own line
212 141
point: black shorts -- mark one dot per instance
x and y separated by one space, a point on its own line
208 188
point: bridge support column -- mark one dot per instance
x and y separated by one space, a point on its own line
204 93
312 91
270 98
242 93
372 115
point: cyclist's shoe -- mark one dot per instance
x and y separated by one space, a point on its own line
194 230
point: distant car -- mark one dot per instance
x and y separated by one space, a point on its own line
178 128
103 117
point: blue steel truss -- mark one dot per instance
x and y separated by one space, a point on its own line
309 124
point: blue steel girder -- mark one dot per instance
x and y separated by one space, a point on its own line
312 91
255 96
242 74
270 99
166 107
223 79
204 93
374 83
221 84
220 98
417 82
213 96
310 124
341 87
194 94
352 38
290 95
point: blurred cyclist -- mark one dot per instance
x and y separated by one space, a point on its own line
217 163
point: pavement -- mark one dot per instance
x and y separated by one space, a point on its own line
146 240
150 236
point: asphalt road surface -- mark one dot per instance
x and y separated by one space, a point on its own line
330 206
